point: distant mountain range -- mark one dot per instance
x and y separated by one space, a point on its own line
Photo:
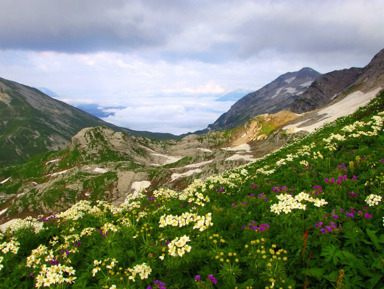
97 110
31 122
89 159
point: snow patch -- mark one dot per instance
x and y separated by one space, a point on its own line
186 174
52 161
6 180
291 90
170 159
344 107
100 170
306 84
205 150
139 186
289 80
58 173
237 157
277 92
243 147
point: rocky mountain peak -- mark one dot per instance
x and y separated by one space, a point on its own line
331 85
276 96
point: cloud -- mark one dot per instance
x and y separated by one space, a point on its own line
157 58
187 114
205 30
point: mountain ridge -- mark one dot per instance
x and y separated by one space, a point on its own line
337 83
32 122
271 98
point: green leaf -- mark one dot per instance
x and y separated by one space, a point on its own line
330 254
375 241
315 272
371 283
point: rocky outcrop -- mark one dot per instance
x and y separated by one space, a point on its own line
337 84
325 88
274 97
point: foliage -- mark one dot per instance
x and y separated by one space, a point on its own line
307 216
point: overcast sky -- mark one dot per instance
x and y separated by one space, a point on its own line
167 61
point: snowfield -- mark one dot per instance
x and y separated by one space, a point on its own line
344 107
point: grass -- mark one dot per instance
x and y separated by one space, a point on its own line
309 215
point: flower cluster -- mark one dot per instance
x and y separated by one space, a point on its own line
327 229
211 278
287 203
56 274
109 227
28 222
11 246
158 284
373 200
143 270
201 222
265 171
254 227
178 247
97 264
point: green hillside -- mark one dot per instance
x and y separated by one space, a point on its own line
32 123
307 216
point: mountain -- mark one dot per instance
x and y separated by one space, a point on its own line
273 97
307 216
337 83
102 164
31 122
98 111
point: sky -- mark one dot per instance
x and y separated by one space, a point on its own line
167 62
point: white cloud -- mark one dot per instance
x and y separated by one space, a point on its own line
168 114
172 57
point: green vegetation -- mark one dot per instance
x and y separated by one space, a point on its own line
307 216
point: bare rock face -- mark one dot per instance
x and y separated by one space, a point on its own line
325 88
274 97
333 84
95 137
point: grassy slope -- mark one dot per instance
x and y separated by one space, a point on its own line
236 238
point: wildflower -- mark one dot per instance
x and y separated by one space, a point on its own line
213 280
373 200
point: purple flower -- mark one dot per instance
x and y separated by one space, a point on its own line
233 204
324 231
367 216
197 278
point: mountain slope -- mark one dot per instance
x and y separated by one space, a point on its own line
275 96
32 122
339 83
307 216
